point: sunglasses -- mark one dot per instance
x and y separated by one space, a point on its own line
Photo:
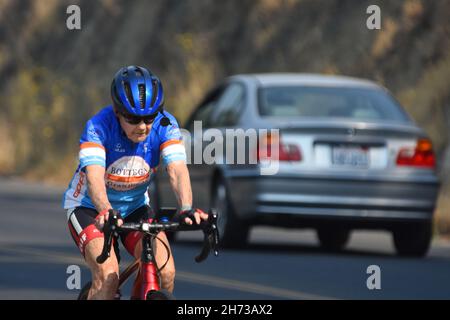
136 120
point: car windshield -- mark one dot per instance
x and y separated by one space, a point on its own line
343 102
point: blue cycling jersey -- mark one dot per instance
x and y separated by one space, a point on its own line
129 166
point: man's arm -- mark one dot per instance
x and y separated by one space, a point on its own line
95 175
181 186
180 183
96 187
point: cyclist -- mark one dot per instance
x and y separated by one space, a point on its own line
120 150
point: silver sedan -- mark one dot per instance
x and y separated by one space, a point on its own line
345 153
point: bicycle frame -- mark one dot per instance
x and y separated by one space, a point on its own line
147 278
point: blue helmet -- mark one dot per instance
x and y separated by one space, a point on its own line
137 91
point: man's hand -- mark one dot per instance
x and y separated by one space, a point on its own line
189 216
103 216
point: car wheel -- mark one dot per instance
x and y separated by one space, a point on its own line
333 239
413 240
233 232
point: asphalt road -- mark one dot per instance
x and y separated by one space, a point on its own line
36 251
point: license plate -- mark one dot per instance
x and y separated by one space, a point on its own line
350 157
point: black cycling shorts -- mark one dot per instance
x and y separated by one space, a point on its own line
81 221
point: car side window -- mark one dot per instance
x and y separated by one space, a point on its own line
229 106
204 113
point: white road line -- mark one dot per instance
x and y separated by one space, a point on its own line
38 255
246 286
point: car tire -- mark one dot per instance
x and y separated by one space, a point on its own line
233 232
413 240
333 239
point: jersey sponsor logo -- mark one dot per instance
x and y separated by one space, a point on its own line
119 148
127 173
80 184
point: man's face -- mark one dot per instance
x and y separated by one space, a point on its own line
135 131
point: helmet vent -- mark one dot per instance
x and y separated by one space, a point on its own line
139 72
142 96
154 92
128 93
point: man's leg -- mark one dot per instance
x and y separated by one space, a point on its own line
105 276
90 242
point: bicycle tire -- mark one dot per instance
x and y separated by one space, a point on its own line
160 295
83 295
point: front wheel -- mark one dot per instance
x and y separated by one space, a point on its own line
159 295
83 295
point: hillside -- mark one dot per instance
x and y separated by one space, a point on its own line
53 79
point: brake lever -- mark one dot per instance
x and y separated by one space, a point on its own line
109 231
214 241
210 237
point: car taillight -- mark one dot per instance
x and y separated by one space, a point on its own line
286 152
422 156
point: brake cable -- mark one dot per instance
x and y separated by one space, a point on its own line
155 236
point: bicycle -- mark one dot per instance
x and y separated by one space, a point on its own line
149 287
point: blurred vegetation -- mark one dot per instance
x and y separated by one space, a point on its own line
54 79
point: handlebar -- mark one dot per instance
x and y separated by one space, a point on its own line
209 228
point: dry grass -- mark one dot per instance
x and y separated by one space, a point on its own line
385 38
412 9
429 100
7 148
270 6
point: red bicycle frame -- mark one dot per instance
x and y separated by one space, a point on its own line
147 278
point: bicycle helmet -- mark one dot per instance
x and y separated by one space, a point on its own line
136 91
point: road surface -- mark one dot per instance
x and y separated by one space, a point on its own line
36 252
